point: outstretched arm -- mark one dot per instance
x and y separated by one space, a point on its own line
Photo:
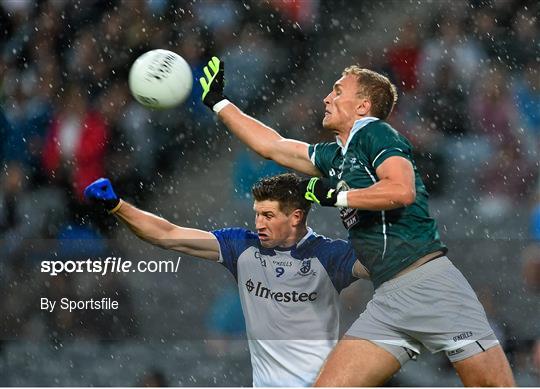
266 142
162 233
260 138
152 228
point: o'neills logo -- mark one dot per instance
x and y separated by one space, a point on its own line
463 335
285 297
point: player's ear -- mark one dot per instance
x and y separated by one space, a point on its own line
364 107
297 217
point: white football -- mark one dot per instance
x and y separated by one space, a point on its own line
160 79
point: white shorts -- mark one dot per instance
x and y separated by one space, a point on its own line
433 306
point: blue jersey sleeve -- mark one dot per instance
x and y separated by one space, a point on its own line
232 243
338 258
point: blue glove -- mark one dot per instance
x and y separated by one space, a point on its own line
101 192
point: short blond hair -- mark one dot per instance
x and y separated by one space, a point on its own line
377 88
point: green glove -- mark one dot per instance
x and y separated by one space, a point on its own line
320 191
213 82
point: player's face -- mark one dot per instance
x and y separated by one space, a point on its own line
341 105
275 228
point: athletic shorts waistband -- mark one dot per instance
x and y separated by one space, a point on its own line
432 267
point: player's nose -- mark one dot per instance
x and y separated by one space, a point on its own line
326 100
259 225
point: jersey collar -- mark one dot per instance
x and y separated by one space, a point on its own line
357 126
306 237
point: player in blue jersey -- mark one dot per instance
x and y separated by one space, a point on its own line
369 173
288 277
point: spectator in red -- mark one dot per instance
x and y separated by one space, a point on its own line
74 147
403 58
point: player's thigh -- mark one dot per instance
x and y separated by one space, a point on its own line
488 368
357 362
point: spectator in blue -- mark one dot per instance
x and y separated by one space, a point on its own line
527 97
248 169
5 133
531 253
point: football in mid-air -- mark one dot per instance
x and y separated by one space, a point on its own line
160 79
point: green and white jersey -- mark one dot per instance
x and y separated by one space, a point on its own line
385 241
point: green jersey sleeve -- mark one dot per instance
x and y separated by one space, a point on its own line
383 142
322 155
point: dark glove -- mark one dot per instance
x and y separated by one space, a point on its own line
319 191
101 192
213 82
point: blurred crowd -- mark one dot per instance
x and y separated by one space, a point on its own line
66 116
470 82
467 73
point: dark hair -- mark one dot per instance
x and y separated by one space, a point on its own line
283 188
377 88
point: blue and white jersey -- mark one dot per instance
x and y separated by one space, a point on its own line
290 300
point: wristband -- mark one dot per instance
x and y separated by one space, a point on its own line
219 106
115 209
341 200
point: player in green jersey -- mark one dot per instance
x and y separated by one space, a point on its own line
420 298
